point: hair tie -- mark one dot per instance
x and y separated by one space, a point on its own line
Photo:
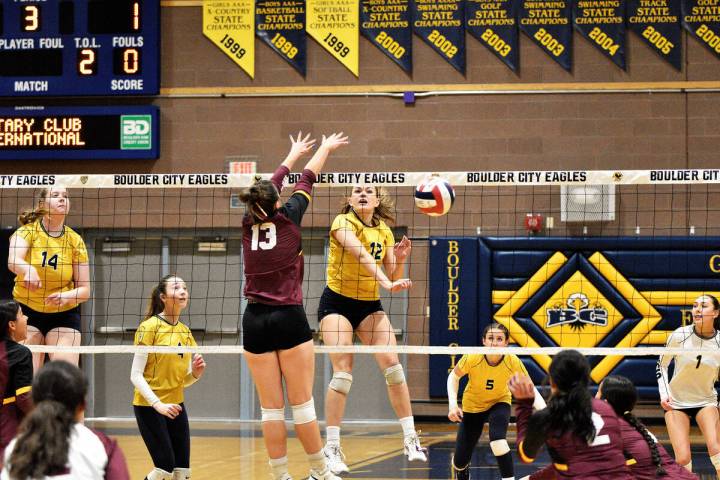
261 210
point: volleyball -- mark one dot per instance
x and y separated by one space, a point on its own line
434 196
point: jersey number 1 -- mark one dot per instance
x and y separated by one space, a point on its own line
52 262
270 236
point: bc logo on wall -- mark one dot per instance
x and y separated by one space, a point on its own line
568 292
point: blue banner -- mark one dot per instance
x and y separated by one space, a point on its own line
548 24
442 26
702 19
602 22
453 303
494 24
386 23
281 25
658 25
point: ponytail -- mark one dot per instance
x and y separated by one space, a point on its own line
260 199
654 451
570 407
39 211
155 303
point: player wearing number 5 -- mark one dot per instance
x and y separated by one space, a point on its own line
50 262
276 335
486 400
691 391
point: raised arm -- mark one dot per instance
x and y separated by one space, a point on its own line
351 243
395 258
298 147
329 144
530 427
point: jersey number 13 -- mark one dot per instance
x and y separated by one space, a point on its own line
269 232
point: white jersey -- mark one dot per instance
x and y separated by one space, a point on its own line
87 457
693 381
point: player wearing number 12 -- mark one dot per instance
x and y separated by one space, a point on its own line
691 391
276 335
53 275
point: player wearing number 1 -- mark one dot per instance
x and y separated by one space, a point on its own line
583 434
53 276
276 335
691 391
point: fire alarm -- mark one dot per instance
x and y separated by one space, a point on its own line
533 222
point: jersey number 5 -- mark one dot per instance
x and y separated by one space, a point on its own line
52 262
269 232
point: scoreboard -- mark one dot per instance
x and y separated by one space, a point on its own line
79 47
119 132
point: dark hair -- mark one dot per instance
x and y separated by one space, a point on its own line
260 199
384 210
570 407
496 326
622 396
155 303
716 306
8 313
42 445
39 210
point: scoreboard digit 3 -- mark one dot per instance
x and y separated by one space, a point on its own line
79 47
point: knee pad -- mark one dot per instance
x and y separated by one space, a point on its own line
181 474
273 414
304 413
341 382
715 460
159 474
499 447
394 375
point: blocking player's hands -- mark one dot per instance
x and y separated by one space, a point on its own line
334 141
402 249
521 387
32 279
665 404
301 145
198 365
170 410
455 414
397 285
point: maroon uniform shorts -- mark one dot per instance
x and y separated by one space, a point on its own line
267 328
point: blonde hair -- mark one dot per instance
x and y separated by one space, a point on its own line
38 211
385 207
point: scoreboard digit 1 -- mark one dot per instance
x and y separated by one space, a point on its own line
79 47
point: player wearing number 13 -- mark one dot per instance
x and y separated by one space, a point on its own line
691 391
276 335
583 434
53 276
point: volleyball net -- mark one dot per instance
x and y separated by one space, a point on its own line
527 244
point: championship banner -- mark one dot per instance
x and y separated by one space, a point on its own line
547 23
386 23
281 25
453 303
702 19
602 22
335 26
230 24
441 24
494 23
658 24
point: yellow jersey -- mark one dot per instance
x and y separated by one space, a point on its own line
345 275
164 372
487 384
53 258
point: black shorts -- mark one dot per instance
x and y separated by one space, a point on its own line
267 328
692 412
354 310
47 321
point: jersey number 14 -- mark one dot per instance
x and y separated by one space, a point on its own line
53 261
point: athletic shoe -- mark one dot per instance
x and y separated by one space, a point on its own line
413 449
335 459
324 475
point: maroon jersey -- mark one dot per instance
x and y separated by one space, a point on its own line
641 465
272 249
573 457
17 401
